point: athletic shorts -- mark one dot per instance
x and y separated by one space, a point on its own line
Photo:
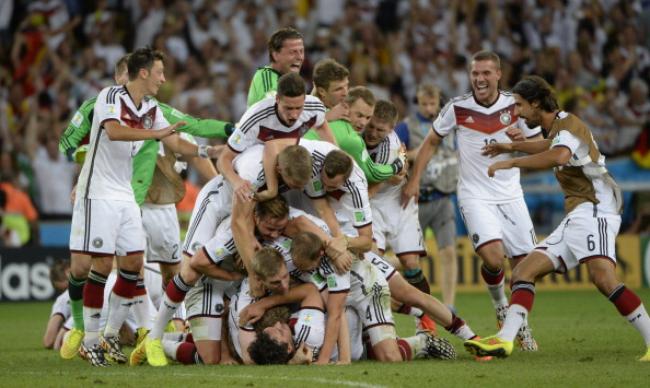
440 216
163 233
582 235
205 307
371 300
398 228
381 264
106 227
508 222
213 204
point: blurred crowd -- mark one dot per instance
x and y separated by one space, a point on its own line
54 54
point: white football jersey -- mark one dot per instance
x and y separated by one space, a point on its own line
107 170
261 123
476 126
349 202
385 153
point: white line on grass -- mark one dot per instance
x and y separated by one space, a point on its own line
320 380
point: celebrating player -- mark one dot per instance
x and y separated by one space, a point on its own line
588 232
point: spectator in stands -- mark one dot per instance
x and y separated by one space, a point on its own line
19 213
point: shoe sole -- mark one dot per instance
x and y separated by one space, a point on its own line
480 352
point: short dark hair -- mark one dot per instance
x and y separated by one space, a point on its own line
276 207
271 317
291 85
276 41
57 270
486 55
385 111
307 246
328 70
142 58
336 163
266 351
360 92
534 88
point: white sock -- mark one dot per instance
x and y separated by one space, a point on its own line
640 320
165 313
464 332
498 294
118 310
170 348
92 319
141 312
515 317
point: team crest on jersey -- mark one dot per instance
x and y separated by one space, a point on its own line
147 122
98 242
505 118
218 308
196 246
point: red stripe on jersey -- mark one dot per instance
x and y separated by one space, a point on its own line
267 134
132 120
486 123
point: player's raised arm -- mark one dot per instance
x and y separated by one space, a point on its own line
117 132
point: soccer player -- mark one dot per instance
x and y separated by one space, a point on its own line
106 220
331 86
439 181
288 115
587 235
494 210
56 325
286 54
144 166
393 225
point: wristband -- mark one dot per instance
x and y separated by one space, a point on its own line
202 151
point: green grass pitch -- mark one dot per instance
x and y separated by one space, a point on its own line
583 342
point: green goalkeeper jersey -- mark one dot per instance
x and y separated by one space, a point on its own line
263 85
144 162
351 142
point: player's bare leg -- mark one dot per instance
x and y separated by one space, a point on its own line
449 274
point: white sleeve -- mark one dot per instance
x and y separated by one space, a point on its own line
221 245
566 139
108 105
446 120
360 201
61 306
315 188
246 131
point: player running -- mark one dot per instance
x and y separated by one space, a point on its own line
494 210
587 235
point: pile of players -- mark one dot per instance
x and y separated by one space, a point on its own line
282 261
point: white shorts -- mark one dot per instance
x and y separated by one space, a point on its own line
581 236
383 266
398 228
372 302
160 224
105 228
205 307
508 222
213 204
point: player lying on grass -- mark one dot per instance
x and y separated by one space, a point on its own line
587 235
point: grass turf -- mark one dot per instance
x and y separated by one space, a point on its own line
583 342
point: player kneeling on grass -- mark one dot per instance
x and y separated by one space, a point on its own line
588 232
